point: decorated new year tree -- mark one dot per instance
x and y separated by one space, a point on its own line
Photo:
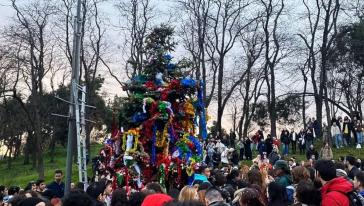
161 123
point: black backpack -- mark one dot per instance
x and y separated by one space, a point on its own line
355 199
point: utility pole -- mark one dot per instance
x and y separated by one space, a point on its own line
81 140
73 95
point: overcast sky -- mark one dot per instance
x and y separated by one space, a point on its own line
286 78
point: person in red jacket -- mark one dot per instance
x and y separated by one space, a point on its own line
334 190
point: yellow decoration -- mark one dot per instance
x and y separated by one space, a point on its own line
165 149
162 137
189 170
189 109
136 134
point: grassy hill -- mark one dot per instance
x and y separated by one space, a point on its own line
21 174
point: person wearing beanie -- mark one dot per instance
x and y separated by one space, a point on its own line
341 173
282 173
156 200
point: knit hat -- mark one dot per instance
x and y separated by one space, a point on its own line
281 164
156 200
341 173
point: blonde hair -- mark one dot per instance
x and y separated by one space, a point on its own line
244 172
188 193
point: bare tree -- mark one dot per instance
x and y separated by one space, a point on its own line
251 42
93 48
273 52
135 23
194 35
29 33
226 23
322 21
304 72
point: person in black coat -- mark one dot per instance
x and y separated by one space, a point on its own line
248 150
347 130
235 158
285 141
312 153
57 186
308 138
216 158
274 156
262 147
269 144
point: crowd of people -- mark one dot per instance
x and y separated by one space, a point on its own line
270 179
312 183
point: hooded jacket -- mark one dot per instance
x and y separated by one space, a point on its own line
334 192
199 178
326 153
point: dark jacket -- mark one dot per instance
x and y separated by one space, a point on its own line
219 203
269 144
235 157
277 203
349 125
261 147
248 151
291 136
273 157
285 137
57 189
309 136
284 180
354 171
311 152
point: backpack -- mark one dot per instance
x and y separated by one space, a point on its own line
290 194
355 199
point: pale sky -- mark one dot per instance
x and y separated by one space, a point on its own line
286 81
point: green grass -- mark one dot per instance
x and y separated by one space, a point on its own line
358 153
21 174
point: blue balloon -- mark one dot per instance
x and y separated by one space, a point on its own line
188 82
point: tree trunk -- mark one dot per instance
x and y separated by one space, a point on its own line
34 159
272 108
17 147
38 153
304 104
6 153
27 150
328 118
240 127
52 148
220 96
10 153
319 104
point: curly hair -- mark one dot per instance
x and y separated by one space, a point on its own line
250 197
